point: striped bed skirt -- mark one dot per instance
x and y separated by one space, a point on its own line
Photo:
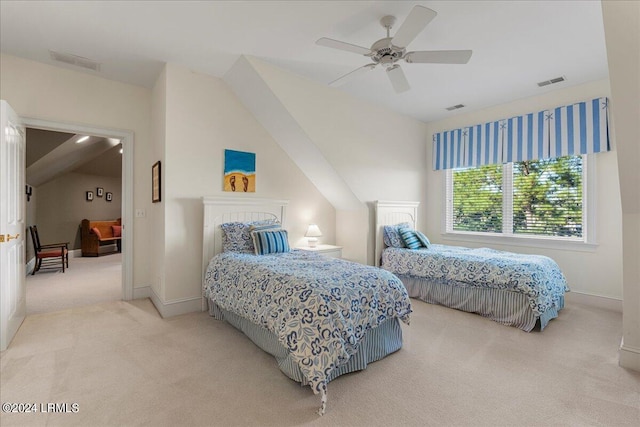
503 306
377 343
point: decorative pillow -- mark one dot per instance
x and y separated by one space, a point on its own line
96 232
391 236
409 238
270 242
117 230
266 226
423 239
236 236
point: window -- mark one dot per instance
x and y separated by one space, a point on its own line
541 198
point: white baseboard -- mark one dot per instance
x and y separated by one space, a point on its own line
75 253
594 301
142 292
629 357
175 307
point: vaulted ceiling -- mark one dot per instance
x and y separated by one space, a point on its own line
51 154
515 43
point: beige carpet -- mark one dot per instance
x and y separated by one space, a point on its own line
124 365
87 281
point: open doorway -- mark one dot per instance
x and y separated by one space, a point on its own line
71 177
61 173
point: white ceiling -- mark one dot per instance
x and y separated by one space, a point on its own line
515 43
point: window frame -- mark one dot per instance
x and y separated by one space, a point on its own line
586 243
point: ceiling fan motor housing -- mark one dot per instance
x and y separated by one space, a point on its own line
384 52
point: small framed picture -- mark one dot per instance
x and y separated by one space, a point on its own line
99 191
90 196
155 182
109 197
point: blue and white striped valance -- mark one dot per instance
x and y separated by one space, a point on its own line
580 128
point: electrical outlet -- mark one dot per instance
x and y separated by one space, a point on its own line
140 213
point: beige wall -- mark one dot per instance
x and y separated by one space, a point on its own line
45 92
203 117
598 272
62 205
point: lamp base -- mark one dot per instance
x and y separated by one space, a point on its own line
313 242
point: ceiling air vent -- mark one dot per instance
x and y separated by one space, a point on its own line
455 107
552 81
78 61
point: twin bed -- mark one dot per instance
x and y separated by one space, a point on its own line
518 290
319 317
323 317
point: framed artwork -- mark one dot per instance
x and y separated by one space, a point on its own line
239 171
99 191
155 182
90 196
109 196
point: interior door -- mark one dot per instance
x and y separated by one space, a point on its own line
12 224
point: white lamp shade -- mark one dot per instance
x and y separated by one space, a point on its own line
313 231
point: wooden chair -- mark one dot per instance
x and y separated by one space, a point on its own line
49 255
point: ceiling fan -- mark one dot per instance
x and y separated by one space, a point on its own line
389 50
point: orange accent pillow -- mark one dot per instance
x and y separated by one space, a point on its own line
96 232
117 230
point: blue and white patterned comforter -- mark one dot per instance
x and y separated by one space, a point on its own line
319 308
536 276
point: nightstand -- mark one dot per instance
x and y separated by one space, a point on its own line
326 250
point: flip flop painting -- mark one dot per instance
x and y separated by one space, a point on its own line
239 171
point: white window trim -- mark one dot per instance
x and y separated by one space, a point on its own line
586 244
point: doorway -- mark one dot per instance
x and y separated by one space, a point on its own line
125 140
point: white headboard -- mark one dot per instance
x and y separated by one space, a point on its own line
218 210
391 213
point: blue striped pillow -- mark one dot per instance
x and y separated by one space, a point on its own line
409 238
270 242
423 239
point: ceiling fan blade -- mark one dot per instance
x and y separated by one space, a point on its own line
416 21
355 73
398 79
439 56
336 44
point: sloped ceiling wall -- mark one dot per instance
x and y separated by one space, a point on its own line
354 152
51 154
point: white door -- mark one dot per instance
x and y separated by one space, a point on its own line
12 227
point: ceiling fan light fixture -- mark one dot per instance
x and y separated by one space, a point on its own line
389 50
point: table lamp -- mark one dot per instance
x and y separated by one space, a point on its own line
313 232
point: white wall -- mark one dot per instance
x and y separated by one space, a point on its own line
595 273
203 118
156 211
379 154
41 91
622 34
